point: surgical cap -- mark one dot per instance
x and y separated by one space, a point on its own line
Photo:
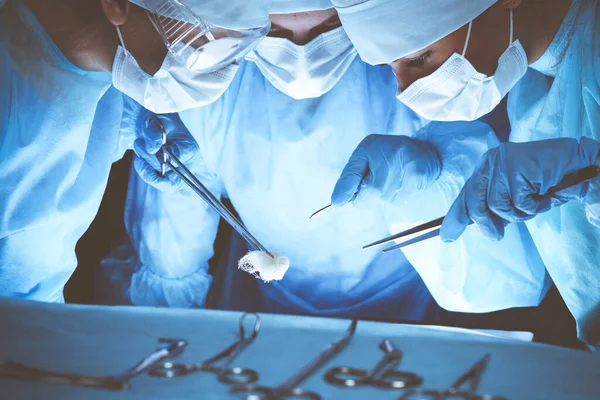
385 30
292 6
230 14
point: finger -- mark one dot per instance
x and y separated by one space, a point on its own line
366 195
456 220
139 149
183 147
153 135
491 225
527 202
151 177
349 182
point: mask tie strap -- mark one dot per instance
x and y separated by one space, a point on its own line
511 27
121 39
467 39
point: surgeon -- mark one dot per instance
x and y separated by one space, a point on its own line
64 66
455 60
274 145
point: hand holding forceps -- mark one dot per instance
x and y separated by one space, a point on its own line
383 375
169 348
432 228
473 376
224 373
194 183
289 388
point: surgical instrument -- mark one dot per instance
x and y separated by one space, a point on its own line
473 376
289 388
432 228
169 348
319 211
329 206
383 375
194 183
225 373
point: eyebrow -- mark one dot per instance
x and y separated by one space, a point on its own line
329 21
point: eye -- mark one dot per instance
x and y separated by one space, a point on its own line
420 61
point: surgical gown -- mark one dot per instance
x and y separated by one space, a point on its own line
277 160
59 134
560 97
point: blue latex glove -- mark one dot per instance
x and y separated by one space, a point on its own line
505 186
387 167
179 140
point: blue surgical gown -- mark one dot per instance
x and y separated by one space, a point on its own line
277 160
59 134
560 97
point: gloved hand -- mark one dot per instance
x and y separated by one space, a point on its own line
179 141
509 185
387 167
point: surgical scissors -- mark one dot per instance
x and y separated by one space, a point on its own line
432 228
289 388
473 376
224 373
383 375
169 348
194 183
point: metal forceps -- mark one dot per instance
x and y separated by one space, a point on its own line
289 388
432 228
169 348
473 376
194 183
383 375
225 373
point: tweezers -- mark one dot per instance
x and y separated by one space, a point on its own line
194 183
433 227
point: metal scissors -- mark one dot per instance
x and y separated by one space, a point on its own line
169 348
289 388
473 376
194 183
225 373
432 228
382 375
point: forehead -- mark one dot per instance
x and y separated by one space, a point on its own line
302 20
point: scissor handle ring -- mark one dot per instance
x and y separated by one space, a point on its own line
423 394
393 379
297 393
338 376
238 376
256 392
252 392
169 370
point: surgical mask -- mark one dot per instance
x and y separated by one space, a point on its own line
457 92
307 71
175 87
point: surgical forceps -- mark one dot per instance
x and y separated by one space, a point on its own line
224 373
169 348
194 183
473 376
432 228
382 375
289 388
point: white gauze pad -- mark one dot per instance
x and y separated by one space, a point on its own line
263 266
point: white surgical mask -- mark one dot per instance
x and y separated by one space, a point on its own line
457 92
174 87
307 71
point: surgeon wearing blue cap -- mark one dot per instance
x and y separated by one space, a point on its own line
274 145
64 66
454 61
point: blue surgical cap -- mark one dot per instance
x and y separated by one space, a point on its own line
385 30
